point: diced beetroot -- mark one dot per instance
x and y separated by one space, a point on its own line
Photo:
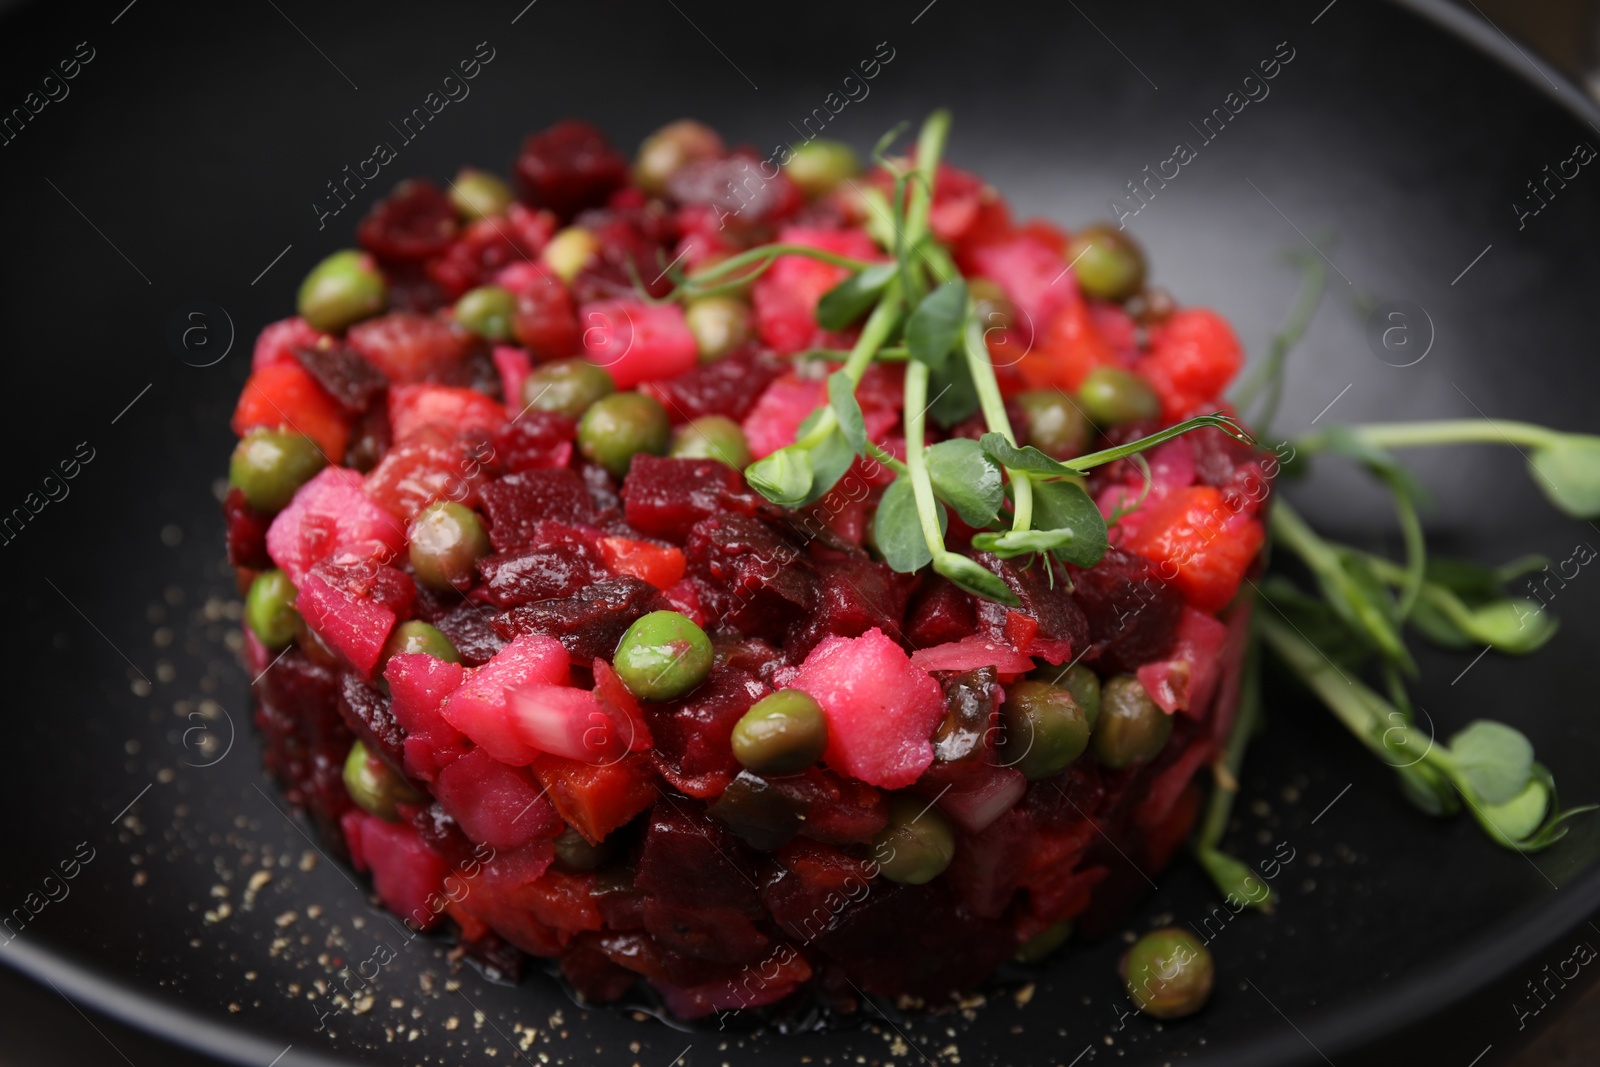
720 935
811 885
488 246
589 623
692 735
637 342
352 603
970 652
449 407
1186 680
470 627
1133 615
660 565
286 395
369 716
749 575
839 810
413 222
728 386
418 684
690 858
622 707
786 967
501 806
881 708
989 864
786 295
940 614
972 792
479 707
595 800
595 977
558 569
569 167
328 514
1048 624
247 532
405 871
408 347
534 440
633 239
685 600
426 469
1033 275
855 595
350 380
278 340
516 503
665 497
1161 796
514 367
545 320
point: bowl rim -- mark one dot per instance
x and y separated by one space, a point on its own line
1344 1026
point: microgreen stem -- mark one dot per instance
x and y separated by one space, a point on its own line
1245 718
916 461
1444 432
763 256
930 146
888 459
1268 374
876 330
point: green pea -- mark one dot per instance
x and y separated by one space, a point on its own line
477 194
663 655
418 636
782 733
268 466
374 785
487 311
574 853
1111 396
269 608
620 426
1043 944
711 437
344 288
446 540
669 149
1045 729
566 387
819 165
1055 424
1169 973
1132 727
918 843
1107 262
1084 685
719 324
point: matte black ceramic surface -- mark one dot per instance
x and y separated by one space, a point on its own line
181 172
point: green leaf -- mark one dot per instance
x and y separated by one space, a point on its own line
1568 470
842 398
1314 620
1065 507
1520 816
1026 458
1355 591
1493 760
830 459
783 477
853 297
976 579
955 397
897 531
1235 879
935 326
966 479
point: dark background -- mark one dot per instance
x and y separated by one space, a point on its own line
161 145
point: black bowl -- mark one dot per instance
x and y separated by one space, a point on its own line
166 202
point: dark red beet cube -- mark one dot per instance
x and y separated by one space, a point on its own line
665 497
560 569
1046 601
345 375
469 626
749 575
247 532
590 624
410 224
839 810
688 857
1133 615
691 735
854 595
810 884
366 711
517 503
718 935
940 613
536 440
592 974
569 167
729 386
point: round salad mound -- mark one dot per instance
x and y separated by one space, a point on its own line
577 629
